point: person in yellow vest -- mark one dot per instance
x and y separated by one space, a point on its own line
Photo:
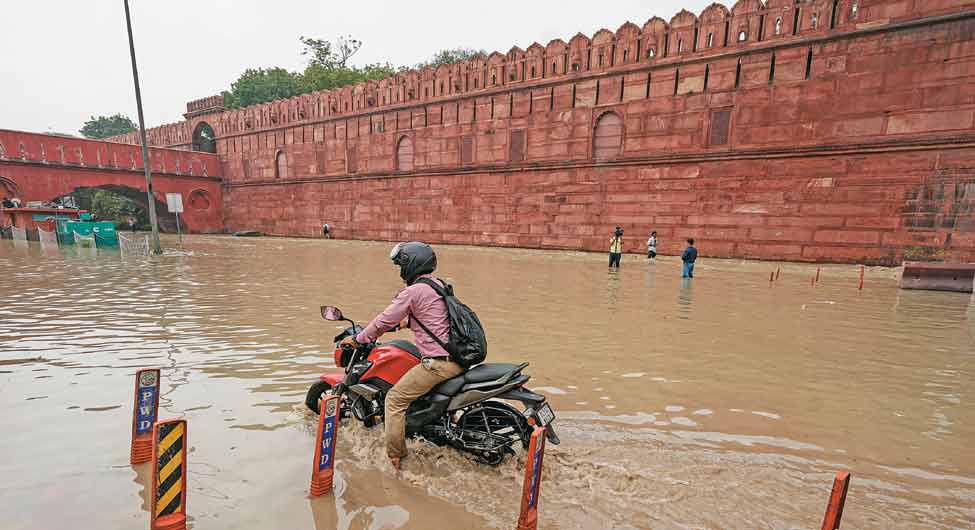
616 248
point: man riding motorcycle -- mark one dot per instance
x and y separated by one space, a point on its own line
418 304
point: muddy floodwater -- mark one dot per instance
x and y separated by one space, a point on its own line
716 403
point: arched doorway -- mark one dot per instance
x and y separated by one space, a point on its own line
112 202
607 138
204 139
404 154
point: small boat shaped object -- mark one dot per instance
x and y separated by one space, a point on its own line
248 233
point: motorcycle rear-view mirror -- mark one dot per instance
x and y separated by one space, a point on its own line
332 313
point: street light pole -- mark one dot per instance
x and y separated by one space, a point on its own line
157 246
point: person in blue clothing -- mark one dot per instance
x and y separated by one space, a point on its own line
689 257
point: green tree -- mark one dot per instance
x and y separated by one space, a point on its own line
317 77
106 126
328 55
261 85
450 56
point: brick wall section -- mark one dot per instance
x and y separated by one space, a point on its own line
855 209
849 136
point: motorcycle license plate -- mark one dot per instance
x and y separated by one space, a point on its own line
545 415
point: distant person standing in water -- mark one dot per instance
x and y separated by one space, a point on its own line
652 246
616 248
327 231
689 257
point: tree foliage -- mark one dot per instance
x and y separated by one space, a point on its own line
450 56
106 126
260 85
328 68
110 206
328 55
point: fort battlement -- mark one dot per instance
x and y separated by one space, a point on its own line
748 25
819 130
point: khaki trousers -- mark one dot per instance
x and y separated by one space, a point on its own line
418 381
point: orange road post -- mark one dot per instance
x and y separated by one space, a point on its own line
771 277
817 274
528 518
777 271
145 410
861 277
323 468
837 499
169 476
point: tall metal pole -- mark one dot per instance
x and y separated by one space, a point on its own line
156 245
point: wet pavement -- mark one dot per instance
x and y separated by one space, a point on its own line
720 402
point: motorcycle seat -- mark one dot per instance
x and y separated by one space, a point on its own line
406 346
482 373
489 372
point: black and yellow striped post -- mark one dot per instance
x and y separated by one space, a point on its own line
169 476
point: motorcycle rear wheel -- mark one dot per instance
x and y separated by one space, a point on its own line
495 419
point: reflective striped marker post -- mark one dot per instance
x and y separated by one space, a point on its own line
837 499
528 518
323 468
169 476
145 410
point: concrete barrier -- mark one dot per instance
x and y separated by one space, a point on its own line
952 277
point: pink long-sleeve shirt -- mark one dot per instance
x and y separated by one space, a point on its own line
419 302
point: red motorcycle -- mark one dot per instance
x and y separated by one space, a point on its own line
467 412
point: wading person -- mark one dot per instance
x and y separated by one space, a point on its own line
327 231
616 248
417 304
652 246
689 257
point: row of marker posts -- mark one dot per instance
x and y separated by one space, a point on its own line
774 276
164 443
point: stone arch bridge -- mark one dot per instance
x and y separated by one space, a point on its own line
40 167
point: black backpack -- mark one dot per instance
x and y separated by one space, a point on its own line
467 344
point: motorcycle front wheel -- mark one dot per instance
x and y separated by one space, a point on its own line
318 391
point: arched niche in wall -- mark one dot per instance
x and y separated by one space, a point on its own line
280 165
607 136
404 154
204 139
8 188
199 200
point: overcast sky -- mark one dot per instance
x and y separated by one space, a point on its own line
62 61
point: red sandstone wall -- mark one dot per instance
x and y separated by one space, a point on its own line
39 167
787 130
859 207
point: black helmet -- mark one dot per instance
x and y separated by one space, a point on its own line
414 259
